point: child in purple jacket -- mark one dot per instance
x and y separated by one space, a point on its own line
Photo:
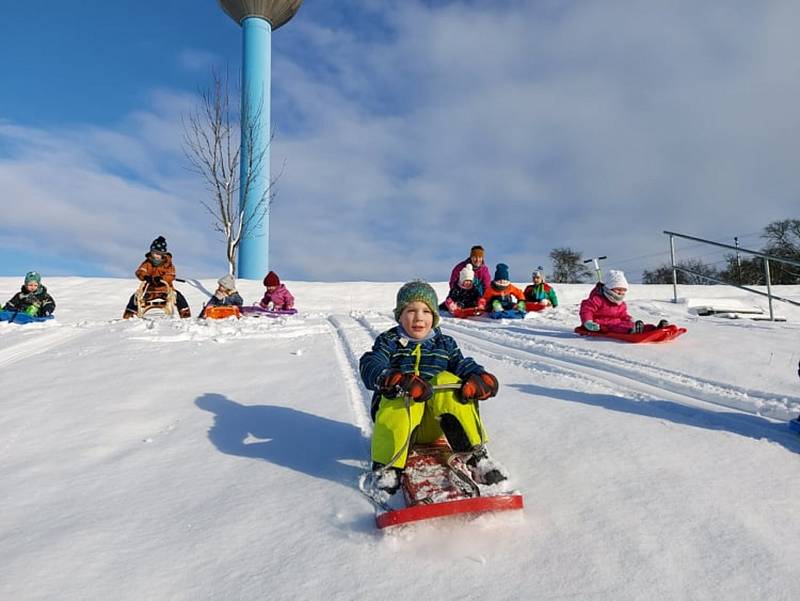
277 297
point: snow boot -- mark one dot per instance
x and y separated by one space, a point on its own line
128 314
185 312
662 324
386 479
484 469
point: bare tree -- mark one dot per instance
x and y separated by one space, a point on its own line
568 267
212 144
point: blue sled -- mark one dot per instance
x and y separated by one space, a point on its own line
17 317
507 314
794 425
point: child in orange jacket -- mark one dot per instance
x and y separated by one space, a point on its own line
502 295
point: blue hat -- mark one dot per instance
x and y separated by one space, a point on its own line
501 272
417 290
33 276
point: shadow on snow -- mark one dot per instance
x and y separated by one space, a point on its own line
303 442
743 424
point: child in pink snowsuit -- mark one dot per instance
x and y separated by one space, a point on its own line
605 310
277 296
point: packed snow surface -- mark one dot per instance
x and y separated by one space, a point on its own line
191 459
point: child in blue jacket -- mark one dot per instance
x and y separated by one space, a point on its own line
410 360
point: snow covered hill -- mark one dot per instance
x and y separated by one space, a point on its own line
189 459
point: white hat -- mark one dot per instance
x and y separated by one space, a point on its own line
466 274
616 279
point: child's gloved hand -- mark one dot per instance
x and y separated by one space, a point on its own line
393 382
545 301
662 324
32 310
592 326
497 306
638 327
270 306
479 387
521 306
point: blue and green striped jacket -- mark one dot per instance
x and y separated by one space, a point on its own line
439 353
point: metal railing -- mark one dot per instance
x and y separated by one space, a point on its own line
767 258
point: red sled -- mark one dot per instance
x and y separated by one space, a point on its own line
664 334
463 313
259 311
535 306
432 490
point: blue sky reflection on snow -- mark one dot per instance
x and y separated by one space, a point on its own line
409 131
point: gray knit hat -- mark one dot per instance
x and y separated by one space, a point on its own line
417 290
228 282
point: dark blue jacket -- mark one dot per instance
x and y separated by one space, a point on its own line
439 353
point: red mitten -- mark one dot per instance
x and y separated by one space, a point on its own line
394 382
479 387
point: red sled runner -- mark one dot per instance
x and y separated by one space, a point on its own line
536 306
436 484
664 334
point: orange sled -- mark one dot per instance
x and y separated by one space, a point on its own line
221 312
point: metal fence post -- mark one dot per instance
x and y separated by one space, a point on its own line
674 272
769 288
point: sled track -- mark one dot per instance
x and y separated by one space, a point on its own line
350 342
40 343
641 380
667 381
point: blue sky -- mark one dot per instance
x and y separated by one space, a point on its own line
408 131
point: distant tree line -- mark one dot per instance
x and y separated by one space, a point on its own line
782 240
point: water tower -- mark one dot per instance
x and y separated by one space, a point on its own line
258 19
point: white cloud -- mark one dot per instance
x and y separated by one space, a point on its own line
522 126
595 127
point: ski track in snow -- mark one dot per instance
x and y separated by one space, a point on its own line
39 343
636 380
350 344
667 381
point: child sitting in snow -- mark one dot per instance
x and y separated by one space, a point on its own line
539 291
32 299
411 359
463 295
605 309
225 295
502 295
158 271
277 297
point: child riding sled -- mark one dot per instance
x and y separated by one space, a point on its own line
605 309
502 296
157 274
32 299
405 365
464 296
539 294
